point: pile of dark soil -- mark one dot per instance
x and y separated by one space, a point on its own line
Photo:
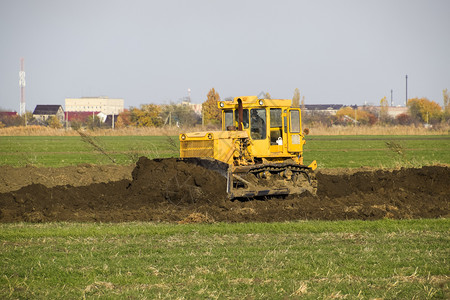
171 190
12 178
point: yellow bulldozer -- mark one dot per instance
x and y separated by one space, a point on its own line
259 149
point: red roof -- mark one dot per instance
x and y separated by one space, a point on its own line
80 116
8 113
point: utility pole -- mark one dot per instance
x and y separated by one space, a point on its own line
392 101
22 90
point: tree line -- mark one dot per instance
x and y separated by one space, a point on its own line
420 110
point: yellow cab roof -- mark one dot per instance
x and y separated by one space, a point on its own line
254 101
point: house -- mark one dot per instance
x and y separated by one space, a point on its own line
43 112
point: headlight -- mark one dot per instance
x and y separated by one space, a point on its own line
222 104
183 137
209 136
261 102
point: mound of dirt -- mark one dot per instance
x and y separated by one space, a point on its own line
171 190
175 181
12 178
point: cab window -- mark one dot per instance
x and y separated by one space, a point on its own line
275 126
258 124
275 117
228 120
295 121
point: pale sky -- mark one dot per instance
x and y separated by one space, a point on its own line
338 52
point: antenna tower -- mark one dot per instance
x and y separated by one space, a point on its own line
22 87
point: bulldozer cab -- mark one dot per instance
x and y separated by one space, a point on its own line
273 126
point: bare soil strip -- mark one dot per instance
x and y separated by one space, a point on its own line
169 190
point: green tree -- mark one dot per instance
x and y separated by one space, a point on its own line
27 118
183 114
76 124
93 122
210 110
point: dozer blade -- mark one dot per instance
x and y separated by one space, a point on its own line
261 180
208 163
271 179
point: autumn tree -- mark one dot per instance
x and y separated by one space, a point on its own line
268 96
346 115
446 97
119 123
10 120
424 110
149 115
210 110
365 117
384 107
123 119
403 119
54 122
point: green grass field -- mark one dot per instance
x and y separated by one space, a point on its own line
313 260
329 151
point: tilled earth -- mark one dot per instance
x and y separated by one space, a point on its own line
170 190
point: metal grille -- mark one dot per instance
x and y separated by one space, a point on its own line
200 148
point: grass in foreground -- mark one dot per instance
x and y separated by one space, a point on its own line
345 259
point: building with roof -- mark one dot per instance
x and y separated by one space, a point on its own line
43 112
8 113
105 105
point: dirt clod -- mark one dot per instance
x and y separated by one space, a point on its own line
170 190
